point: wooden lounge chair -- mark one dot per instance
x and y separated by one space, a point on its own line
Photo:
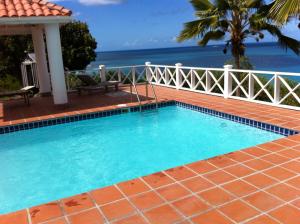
89 84
24 92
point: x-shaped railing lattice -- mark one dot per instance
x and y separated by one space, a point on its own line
172 77
114 76
186 78
276 86
216 81
290 89
239 84
140 75
160 75
200 80
263 88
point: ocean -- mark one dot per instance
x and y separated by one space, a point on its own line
263 56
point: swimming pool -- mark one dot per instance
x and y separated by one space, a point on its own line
45 164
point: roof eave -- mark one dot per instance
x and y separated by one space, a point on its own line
35 20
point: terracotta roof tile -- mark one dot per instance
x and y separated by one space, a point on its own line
25 8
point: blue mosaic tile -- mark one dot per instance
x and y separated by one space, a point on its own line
246 121
74 118
80 117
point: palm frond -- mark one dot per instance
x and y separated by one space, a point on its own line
223 24
283 9
190 30
254 3
257 21
211 35
222 5
197 28
239 19
207 13
285 41
202 5
264 10
288 42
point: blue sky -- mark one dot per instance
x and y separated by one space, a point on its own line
139 24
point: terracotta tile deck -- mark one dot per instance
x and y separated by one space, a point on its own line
259 185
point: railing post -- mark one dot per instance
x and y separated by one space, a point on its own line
157 75
193 80
251 86
102 73
133 75
276 89
227 81
178 75
207 81
119 75
167 76
148 72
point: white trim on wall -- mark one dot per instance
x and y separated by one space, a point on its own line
35 20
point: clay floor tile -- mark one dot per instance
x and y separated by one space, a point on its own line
133 187
163 215
286 214
211 217
238 211
106 195
92 216
45 212
19 217
118 209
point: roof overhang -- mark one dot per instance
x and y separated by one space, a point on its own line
35 20
15 30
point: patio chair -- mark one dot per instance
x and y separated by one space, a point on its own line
89 84
25 92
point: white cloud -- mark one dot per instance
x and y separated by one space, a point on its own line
152 40
133 43
100 2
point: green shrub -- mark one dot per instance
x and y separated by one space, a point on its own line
244 63
9 83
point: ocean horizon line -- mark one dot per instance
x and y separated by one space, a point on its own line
267 56
180 47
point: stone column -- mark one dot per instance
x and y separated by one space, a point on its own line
59 89
41 60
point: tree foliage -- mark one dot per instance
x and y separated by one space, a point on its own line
9 82
282 10
244 63
12 53
234 21
78 45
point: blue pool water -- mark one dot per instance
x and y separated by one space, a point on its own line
45 164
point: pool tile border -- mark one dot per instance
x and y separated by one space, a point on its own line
250 122
79 117
87 116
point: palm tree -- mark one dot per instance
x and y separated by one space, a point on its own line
281 10
236 20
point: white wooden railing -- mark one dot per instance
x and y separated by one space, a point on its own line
278 89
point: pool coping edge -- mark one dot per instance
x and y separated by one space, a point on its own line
130 109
